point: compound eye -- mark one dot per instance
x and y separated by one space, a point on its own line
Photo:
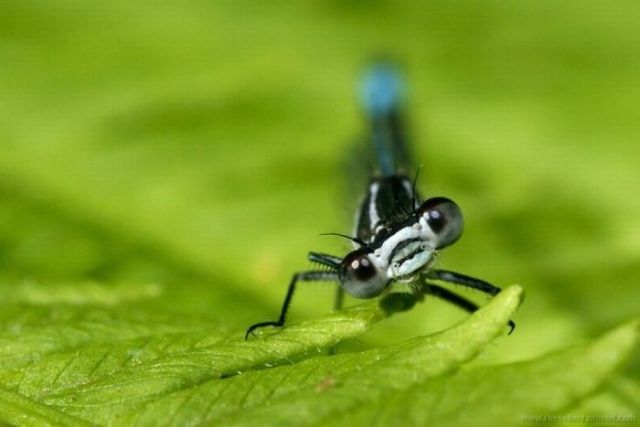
444 217
360 277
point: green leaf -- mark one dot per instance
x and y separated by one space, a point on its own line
194 378
101 384
19 410
116 363
508 394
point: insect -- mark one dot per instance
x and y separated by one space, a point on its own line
397 236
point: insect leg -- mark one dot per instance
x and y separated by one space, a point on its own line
332 262
327 260
455 299
447 295
461 279
305 276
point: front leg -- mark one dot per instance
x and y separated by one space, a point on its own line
460 279
305 276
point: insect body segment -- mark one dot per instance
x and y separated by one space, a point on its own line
382 93
397 237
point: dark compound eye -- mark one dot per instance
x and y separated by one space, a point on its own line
359 267
444 217
360 277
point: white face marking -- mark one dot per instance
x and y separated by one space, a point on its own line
422 247
410 259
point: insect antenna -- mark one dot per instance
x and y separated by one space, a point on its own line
413 189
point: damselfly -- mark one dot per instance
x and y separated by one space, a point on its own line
397 236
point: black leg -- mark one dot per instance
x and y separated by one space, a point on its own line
463 303
305 276
447 295
330 261
461 279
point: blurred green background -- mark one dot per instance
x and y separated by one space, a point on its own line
197 147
